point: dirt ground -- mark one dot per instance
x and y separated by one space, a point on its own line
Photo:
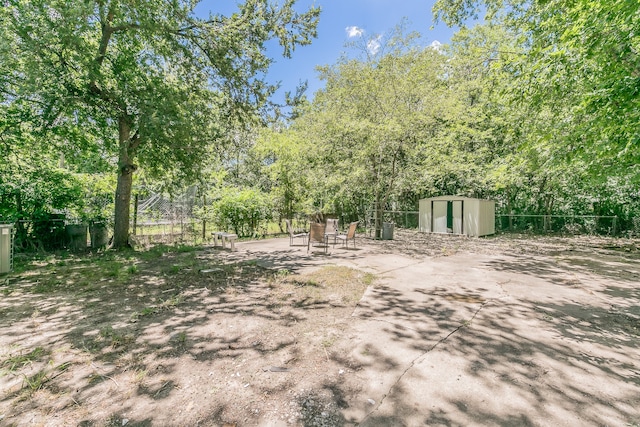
421 330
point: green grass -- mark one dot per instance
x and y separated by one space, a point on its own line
115 338
13 363
72 272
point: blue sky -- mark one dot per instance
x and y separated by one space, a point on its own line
342 21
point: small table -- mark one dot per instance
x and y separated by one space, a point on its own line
224 237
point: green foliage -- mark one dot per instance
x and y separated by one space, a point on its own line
373 121
35 193
99 193
286 166
578 60
16 362
243 211
147 82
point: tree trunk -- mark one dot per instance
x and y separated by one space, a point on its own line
123 188
378 218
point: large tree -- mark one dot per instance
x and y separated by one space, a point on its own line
153 83
583 56
373 119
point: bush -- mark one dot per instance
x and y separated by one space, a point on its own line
246 212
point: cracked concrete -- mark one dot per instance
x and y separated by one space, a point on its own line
413 362
504 338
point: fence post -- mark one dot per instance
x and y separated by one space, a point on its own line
615 220
135 213
204 217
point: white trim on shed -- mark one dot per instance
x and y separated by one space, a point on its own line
457 215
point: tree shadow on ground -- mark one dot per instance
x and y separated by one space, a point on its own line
141 336
523 360
144 336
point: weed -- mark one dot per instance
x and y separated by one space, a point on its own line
35 382
115 339
185 248
181 338
46 287
113 270
329 341
147 311
139 376
173 301
21 360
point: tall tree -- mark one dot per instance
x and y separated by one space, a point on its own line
155 83
372 120
584 55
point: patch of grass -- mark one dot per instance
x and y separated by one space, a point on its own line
181 262
35 382
329 341
159 251
327 284
114 338
139 376
185 248
55 273
282 273
147 311
172 301
155 309
19 361
180 339
46 286
8 289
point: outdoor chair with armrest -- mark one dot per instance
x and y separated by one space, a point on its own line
317 236
331 230
350 235
293 235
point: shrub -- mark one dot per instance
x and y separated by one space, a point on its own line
246 212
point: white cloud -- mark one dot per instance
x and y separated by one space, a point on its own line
435 45
354 31
373 45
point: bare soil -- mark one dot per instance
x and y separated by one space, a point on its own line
213 338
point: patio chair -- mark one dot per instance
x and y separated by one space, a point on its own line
317 236
332 230
350 235
293 235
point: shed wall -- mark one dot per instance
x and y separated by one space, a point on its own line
472 217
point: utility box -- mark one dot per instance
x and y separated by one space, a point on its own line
458 215
6 248
76 237
387 230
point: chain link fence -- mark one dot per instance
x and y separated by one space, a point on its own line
535 224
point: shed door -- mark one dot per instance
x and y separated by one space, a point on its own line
457 210
439 217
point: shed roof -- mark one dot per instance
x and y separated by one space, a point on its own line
454 198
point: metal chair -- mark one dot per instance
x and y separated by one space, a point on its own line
293 235
317 236
331 230
350 235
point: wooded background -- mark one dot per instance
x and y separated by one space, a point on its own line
536 108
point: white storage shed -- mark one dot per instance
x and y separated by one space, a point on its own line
458 215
